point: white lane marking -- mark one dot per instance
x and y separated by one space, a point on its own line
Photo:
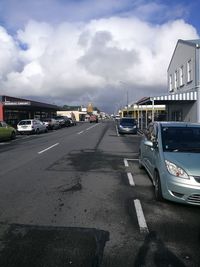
132 159
117 130
130 178
92 126
140 217
40 152
126 163
88 128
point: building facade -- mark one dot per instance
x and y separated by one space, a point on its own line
183 98
13 109
184 80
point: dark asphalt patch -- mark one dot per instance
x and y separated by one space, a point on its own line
40 246
73 188
88 160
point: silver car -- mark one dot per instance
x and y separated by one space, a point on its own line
170 152
127 125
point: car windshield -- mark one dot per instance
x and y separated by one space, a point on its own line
181 139
24 122
127 122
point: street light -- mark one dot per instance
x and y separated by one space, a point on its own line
127 96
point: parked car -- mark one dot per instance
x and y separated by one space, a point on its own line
51 124
170 153
31 126
94 118
127 126
6 132
63 121
72 121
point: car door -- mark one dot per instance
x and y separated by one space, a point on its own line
149 153
4 130
152 156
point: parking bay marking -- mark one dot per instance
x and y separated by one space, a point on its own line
140 217
40 152
130 178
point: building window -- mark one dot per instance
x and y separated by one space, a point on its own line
181 76
170 83
189 71
177 115
175 80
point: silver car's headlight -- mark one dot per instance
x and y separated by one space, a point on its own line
175 170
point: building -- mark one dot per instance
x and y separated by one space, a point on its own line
183 98
13 109
144 113
78 112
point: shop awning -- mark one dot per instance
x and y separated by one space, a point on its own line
164 99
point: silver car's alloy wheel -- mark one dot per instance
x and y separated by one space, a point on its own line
157 187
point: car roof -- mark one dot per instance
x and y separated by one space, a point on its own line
177 124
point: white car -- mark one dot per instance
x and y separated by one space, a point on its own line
31 126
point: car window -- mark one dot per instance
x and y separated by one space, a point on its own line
25 122
127 121
180 138
3 124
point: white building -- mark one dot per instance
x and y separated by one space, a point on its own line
183 100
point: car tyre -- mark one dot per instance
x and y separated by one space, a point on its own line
157 187
13 135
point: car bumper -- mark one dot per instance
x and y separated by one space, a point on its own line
127 130
183 191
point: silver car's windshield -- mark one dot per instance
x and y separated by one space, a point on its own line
181 139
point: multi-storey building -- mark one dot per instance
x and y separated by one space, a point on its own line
183 98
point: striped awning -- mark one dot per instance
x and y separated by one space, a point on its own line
164 99
188 96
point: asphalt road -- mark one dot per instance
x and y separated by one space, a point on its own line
76 197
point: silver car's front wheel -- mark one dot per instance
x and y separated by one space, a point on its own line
157 187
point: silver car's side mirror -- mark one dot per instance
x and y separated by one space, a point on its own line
151 144
148 143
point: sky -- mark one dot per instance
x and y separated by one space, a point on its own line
104 52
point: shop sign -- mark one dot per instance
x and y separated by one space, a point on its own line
17 103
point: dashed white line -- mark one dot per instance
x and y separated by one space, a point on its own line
126 163
140 217
117 130
92 127
88 128
130 178
40 152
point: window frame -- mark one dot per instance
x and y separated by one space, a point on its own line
189 71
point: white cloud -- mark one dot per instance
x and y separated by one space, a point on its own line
74 62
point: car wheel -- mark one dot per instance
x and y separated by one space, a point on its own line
157 187
13 135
